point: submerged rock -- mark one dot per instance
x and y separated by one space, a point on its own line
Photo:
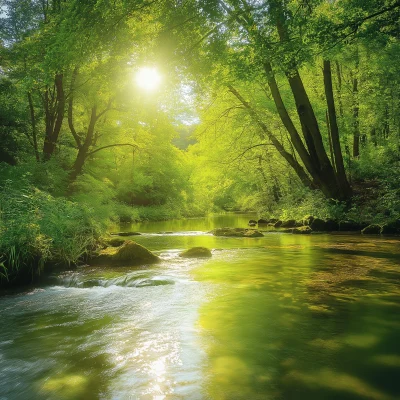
372 230
125 233
236 232
130 253
196 252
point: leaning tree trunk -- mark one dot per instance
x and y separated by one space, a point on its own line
334 132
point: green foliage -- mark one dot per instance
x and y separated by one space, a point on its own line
36 228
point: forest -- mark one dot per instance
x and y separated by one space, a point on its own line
133 110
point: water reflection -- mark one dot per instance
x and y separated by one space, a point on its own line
278 317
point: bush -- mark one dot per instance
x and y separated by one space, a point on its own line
36 227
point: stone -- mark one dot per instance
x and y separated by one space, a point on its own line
277 224
290 223
372 230
263 221
252 222
318 225
302 230
130 253
196 252
331 225
236 232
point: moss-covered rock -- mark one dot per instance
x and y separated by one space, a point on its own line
318 225
302 230
196 252
290 223
372 230
130 253
236 232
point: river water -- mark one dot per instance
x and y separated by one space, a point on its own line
279 317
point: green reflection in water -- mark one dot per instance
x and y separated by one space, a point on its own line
297 320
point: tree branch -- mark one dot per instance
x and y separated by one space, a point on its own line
112 145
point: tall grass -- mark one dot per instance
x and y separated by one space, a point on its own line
36 228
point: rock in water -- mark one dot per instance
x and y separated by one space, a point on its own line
130 253
290 223
236 232
196 252
302 230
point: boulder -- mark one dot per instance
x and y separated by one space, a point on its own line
125 233
308 219
331 225
236 232
372 230
263 221
391 228
130 253
196 252
115 242
277 224
318 225
302 230
252 222
290 223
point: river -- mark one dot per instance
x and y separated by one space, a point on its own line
279 317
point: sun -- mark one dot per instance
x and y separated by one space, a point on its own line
148 78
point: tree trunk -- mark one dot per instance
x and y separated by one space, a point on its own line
33 123
54 116
334 131
356 122
277 144
84 148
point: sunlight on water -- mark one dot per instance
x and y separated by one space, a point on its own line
279 317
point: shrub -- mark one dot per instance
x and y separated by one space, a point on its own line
35 228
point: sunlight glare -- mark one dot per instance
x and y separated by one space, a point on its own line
148 78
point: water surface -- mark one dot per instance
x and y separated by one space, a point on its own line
278 317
